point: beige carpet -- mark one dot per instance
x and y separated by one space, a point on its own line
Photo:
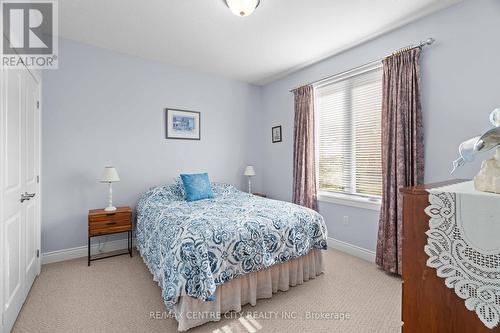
119 295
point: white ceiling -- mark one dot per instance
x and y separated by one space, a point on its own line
203 35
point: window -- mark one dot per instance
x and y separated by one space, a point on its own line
348 113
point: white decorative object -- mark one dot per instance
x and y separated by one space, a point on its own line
488 178
242 7
473 146
495 117
464 248
249 172
110 176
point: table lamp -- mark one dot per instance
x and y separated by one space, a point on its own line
110 176
249 172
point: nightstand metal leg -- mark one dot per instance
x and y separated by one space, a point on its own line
130 242
89 252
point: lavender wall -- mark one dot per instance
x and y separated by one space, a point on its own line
104 108
460 87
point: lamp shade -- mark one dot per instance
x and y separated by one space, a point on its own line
242 7
109 175
249 171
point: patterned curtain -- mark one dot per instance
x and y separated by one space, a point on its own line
304 170
402 151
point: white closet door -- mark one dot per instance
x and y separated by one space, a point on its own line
12 217
30 182
19 170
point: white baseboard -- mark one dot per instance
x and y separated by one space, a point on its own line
81 251
351 249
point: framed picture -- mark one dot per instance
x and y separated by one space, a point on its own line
183 124
276 131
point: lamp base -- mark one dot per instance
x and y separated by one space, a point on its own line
110 209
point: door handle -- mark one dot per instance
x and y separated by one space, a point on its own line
27 196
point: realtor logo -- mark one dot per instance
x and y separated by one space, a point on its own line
29 34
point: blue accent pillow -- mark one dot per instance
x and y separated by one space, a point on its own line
197 186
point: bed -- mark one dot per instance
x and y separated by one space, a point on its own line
215 255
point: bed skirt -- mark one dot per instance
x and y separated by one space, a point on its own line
231 296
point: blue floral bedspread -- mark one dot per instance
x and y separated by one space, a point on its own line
193 247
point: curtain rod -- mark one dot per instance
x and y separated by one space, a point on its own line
428 41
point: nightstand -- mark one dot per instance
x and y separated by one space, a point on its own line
260 195
102 223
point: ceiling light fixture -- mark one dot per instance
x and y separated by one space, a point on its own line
242 7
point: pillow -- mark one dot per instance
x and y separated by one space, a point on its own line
222 190
180 185
159 196
197 186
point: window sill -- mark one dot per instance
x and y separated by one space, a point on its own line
349 200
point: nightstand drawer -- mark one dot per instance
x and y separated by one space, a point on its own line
94 231
110 223
119 216
103 219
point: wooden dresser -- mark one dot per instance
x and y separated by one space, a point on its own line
428 305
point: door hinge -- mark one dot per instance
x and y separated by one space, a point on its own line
38 104
38 253
38 179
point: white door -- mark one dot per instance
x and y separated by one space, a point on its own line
31 153
20 163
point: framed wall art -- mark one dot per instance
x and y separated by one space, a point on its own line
276 134
183 124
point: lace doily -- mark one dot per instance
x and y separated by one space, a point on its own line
474 274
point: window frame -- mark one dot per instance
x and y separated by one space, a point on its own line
346 199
